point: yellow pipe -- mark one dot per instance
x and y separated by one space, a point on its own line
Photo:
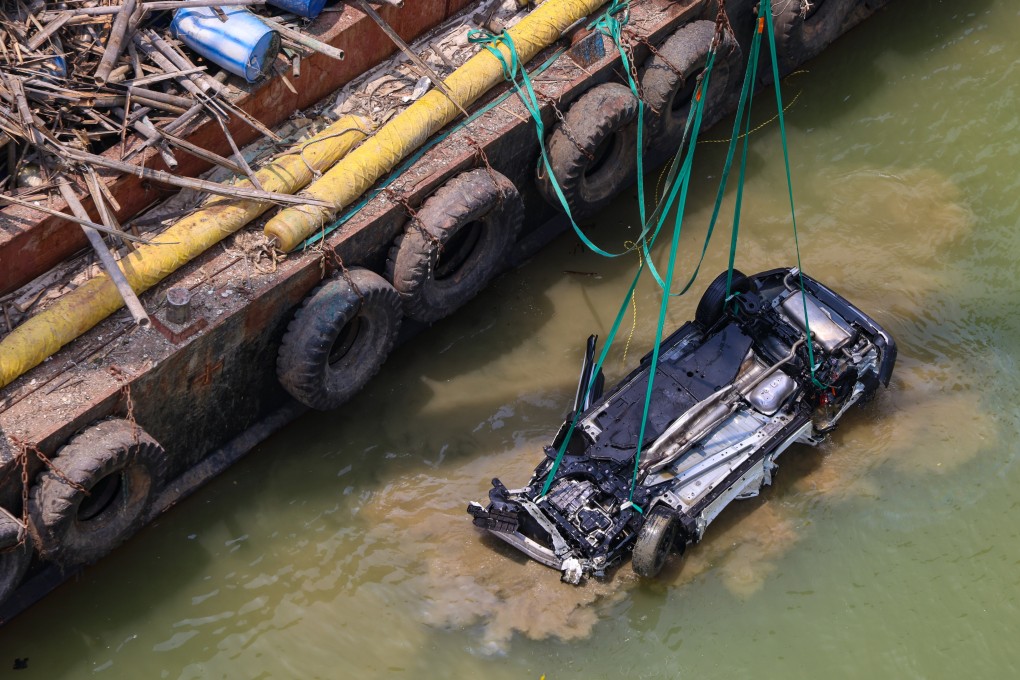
81 309
352 176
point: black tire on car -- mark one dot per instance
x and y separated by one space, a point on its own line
655 540
339 339
592 151
458 241
15 554
803 29
670 78
98 492
710 307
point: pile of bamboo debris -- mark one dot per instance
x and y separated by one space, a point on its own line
81 77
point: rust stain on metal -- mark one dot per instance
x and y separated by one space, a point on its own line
177 337
206 376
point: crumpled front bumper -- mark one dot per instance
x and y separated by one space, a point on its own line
502 519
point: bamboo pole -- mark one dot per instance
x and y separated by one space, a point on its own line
232 191
52 27
305 40
131 300
199 152
76 219
115 45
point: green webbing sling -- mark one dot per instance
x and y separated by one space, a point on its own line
679 181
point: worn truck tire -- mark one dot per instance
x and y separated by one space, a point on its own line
456 243
670 78
655 541
15 554
592 152
339 339
710 307
115 469
804 29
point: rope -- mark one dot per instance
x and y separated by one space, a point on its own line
763 125
752 73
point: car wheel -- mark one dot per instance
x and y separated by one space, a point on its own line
654 541
710 309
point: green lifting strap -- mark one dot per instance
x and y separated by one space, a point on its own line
747 92
611 26
789 186
679 184
679 179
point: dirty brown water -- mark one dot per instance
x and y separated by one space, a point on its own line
340 548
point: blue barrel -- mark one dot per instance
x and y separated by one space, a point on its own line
242 44
304 8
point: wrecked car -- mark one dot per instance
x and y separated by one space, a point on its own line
732 391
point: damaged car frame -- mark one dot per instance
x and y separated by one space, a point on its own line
732 391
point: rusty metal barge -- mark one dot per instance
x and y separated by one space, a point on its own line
118 421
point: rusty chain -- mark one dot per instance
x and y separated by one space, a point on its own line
414 222
21 457
493 175
563 124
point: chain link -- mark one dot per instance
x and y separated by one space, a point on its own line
21 457
563 125
415 223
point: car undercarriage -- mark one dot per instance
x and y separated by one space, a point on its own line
732 391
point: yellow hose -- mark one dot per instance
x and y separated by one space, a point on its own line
410 129
81 309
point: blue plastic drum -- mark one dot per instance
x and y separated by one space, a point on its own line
242 44
303 8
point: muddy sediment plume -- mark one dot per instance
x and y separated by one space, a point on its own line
466 579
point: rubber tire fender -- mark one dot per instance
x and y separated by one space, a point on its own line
592 150
338 339
655 540
457 242
802 33
670 77
15 554
710 307
120 467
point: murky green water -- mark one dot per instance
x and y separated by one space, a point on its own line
340 548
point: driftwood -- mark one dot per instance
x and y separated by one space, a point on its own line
89 88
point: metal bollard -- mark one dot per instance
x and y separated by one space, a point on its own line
178 305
